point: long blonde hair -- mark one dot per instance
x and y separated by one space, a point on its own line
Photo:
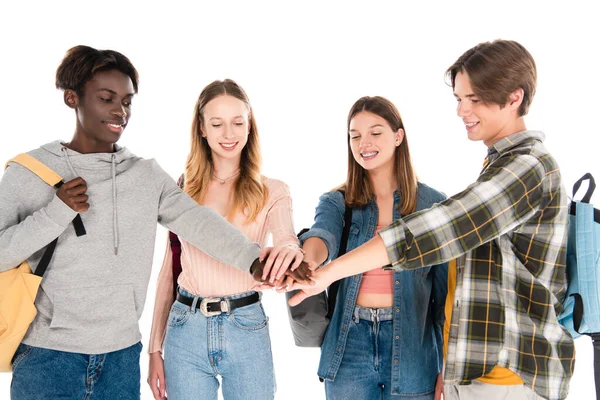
358 185
250 193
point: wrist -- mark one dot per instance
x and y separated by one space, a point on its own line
330 273
256 269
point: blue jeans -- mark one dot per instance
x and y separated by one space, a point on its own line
40 373
234 345
366 369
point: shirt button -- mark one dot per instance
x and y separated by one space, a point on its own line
395 361
397 337
356 278
345 327
397 282
339 350
397 310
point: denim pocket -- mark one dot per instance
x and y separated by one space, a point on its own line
22 352
249 318
178 315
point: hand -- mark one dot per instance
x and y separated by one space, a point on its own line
156 376
321 279
439 387
73 194
305 271
302 275
278 260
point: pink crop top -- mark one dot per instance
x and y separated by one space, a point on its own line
377 281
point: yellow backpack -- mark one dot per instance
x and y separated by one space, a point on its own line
19 286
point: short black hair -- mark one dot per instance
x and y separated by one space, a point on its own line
81 63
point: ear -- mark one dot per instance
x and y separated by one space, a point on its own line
515 99
71 98
399 137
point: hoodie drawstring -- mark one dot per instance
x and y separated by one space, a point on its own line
114 193
64 150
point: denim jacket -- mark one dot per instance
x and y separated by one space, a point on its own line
419 298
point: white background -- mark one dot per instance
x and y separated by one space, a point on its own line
303 65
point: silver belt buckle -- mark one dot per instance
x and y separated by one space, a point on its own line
204 306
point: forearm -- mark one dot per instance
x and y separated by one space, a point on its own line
315 250
21 240
369 256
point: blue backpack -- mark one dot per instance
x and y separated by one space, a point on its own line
581 314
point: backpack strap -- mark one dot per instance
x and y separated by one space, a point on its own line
176 247
38 168
591 187
334 287
52 179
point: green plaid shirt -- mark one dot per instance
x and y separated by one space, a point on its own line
508 231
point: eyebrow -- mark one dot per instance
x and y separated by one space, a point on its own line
237 116
371 127
467 96
113 92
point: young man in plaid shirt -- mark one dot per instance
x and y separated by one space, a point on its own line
506 236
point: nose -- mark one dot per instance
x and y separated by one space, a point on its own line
120 112
227 131
463 109
365 142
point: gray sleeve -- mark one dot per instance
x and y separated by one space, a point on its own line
203 227
23 231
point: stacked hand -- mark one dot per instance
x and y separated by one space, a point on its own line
280 266
301 275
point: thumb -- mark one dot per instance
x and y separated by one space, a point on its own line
298 298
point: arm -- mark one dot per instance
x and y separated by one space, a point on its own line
23 232
162 303
504 197
203 227
286 251
321 243
501 199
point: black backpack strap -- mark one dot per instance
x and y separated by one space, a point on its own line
42 266
334 287
596 344
591 187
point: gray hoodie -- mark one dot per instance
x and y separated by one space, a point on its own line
94 290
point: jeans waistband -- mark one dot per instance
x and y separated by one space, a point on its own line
373 314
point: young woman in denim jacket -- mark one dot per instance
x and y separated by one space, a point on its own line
216 326
385 336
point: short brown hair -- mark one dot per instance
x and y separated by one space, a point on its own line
81 63
495 70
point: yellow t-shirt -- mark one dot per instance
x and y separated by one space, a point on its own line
499 375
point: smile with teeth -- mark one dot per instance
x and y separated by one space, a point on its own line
229 145
115 127
471 124
369 155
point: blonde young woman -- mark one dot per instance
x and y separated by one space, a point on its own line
217 326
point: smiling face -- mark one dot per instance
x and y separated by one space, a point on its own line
373 142
226 126
103 110
486 121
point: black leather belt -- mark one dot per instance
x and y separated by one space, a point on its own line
210 306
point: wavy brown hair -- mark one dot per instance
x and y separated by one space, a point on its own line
358 187
250 193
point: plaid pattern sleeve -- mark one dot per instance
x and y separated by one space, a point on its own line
508 234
